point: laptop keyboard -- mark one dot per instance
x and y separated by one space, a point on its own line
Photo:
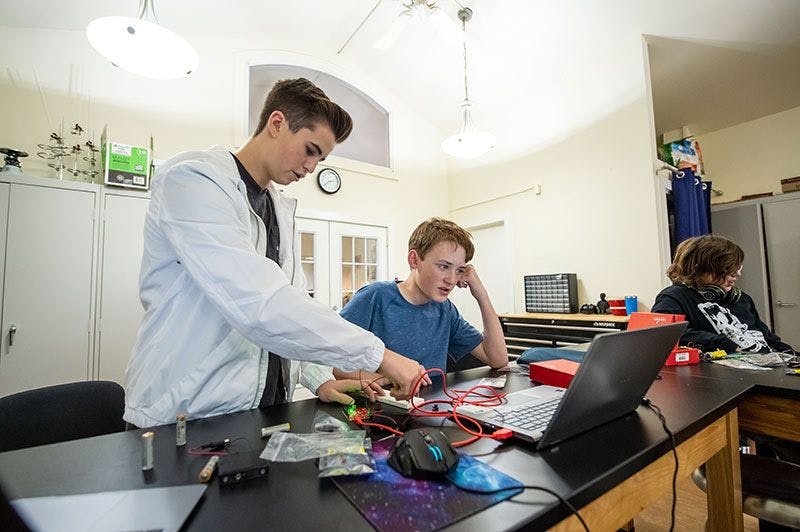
529 417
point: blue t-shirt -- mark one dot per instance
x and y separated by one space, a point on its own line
427 333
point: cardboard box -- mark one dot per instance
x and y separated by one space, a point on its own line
639 320
125 165
557 372
680 356
791 184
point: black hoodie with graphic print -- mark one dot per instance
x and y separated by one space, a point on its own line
732 326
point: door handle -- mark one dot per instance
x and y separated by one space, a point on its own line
11 332
782 304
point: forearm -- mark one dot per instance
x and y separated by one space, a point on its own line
494 343
341 375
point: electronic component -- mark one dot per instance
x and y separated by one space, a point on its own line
180 430
236 468
268 431
216 445
208 470
399 403
147 451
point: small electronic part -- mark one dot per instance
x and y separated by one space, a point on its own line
216 445
719 353
147 451
208 470
180 430
354 412
269 431
236 468
399 403
494 382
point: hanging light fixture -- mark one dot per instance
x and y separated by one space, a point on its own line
469 142
141 45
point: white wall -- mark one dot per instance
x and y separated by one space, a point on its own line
753 157
596 215
198 111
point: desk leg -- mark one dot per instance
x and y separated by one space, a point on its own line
724 486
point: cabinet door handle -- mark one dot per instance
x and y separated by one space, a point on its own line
11 332
782 304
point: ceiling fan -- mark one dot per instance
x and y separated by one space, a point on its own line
408 12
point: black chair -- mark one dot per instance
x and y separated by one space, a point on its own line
770 489
61 413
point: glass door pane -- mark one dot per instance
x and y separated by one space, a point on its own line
360 257
314 245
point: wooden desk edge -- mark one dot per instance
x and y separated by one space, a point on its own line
717 446
770 414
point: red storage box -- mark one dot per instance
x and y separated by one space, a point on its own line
680 356
558 372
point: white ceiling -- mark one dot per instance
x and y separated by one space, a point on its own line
538 68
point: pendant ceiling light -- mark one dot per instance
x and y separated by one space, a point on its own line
469 142
141 45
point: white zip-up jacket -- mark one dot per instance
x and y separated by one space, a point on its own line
215 305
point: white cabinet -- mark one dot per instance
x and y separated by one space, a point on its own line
48 282
119 309
783 256
766 229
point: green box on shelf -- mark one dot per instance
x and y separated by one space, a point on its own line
125 165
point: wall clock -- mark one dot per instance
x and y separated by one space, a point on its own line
329 180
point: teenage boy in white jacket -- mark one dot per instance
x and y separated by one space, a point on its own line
223 291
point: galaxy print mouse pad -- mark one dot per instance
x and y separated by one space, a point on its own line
390 501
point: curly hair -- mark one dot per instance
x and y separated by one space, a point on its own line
435 230
698 257
305 106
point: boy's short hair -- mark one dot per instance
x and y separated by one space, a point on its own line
699 256
305 105
435 230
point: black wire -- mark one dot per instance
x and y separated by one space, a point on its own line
561 499
661 418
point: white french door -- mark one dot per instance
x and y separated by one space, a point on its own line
339 258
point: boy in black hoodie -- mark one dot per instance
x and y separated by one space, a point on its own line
720 316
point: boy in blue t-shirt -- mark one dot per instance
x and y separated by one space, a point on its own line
415 318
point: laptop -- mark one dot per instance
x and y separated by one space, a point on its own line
616 372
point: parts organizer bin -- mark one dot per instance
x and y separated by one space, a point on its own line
555 292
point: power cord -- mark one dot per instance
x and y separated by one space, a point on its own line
648 403
561 499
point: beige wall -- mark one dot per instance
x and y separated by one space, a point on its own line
753 157
596 214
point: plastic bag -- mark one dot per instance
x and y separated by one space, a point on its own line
324 422
293 447
338 465
768 360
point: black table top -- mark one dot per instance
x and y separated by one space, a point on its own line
773 381
293 498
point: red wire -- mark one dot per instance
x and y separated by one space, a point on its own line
458 398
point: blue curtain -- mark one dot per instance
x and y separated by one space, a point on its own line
692 205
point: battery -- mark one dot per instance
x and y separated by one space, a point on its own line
180 430
147 451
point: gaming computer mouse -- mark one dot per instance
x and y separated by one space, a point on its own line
423 453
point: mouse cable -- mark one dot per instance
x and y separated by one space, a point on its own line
648 403
561 499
